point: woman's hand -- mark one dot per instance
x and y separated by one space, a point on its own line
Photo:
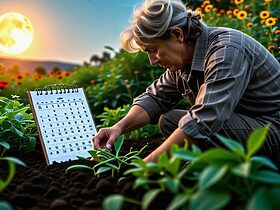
106 137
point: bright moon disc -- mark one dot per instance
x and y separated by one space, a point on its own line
16 33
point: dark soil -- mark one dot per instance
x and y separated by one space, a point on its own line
39 186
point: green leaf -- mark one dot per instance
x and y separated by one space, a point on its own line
265 176
149 197
232 145
259 201
211 175
171 184
113 202
143 182
242 169
78 167
103 169
210 200
5 144
263 161
118 144
219 155
256 140
185 155
5 205
14 160
17 132
31 144
178 201
2 119
19 117
274 196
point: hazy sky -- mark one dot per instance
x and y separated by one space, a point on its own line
72 30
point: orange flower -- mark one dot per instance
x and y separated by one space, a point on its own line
242 15
208 8
250 24
271 47
92 81
26 72
247 6
218 14
270 21
67 73
215 9
267 1
229 12
19 83
238 1
277 31
235 12
264 14
222 11
198 9
126 80
19 76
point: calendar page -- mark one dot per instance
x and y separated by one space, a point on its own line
64 122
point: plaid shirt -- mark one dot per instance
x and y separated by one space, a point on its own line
230 72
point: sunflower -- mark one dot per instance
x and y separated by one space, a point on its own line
264 14
238 1
242 15
267 1
270 21
208 8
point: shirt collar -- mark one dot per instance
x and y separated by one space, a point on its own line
200 49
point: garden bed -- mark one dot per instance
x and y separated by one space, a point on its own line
39 186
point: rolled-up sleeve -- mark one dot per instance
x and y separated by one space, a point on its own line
226 76
159 97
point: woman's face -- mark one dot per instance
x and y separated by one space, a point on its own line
172 54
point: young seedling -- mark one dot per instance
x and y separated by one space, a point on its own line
106 161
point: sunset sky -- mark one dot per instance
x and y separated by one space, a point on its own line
71 30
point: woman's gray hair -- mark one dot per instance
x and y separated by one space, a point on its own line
156 18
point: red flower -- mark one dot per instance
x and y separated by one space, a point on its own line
52 71
4 82
92 81
2 86
19 76
59 77
271 47
67 73
19 83
58 72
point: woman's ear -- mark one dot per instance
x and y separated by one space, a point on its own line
177 34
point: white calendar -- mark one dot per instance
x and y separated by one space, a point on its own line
64 122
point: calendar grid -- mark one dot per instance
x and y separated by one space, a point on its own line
64 122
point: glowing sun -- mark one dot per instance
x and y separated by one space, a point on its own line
16 33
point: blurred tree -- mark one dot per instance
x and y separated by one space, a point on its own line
40 70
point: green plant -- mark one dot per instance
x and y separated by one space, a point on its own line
12 162
107 161
219 178
111 116
17 127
